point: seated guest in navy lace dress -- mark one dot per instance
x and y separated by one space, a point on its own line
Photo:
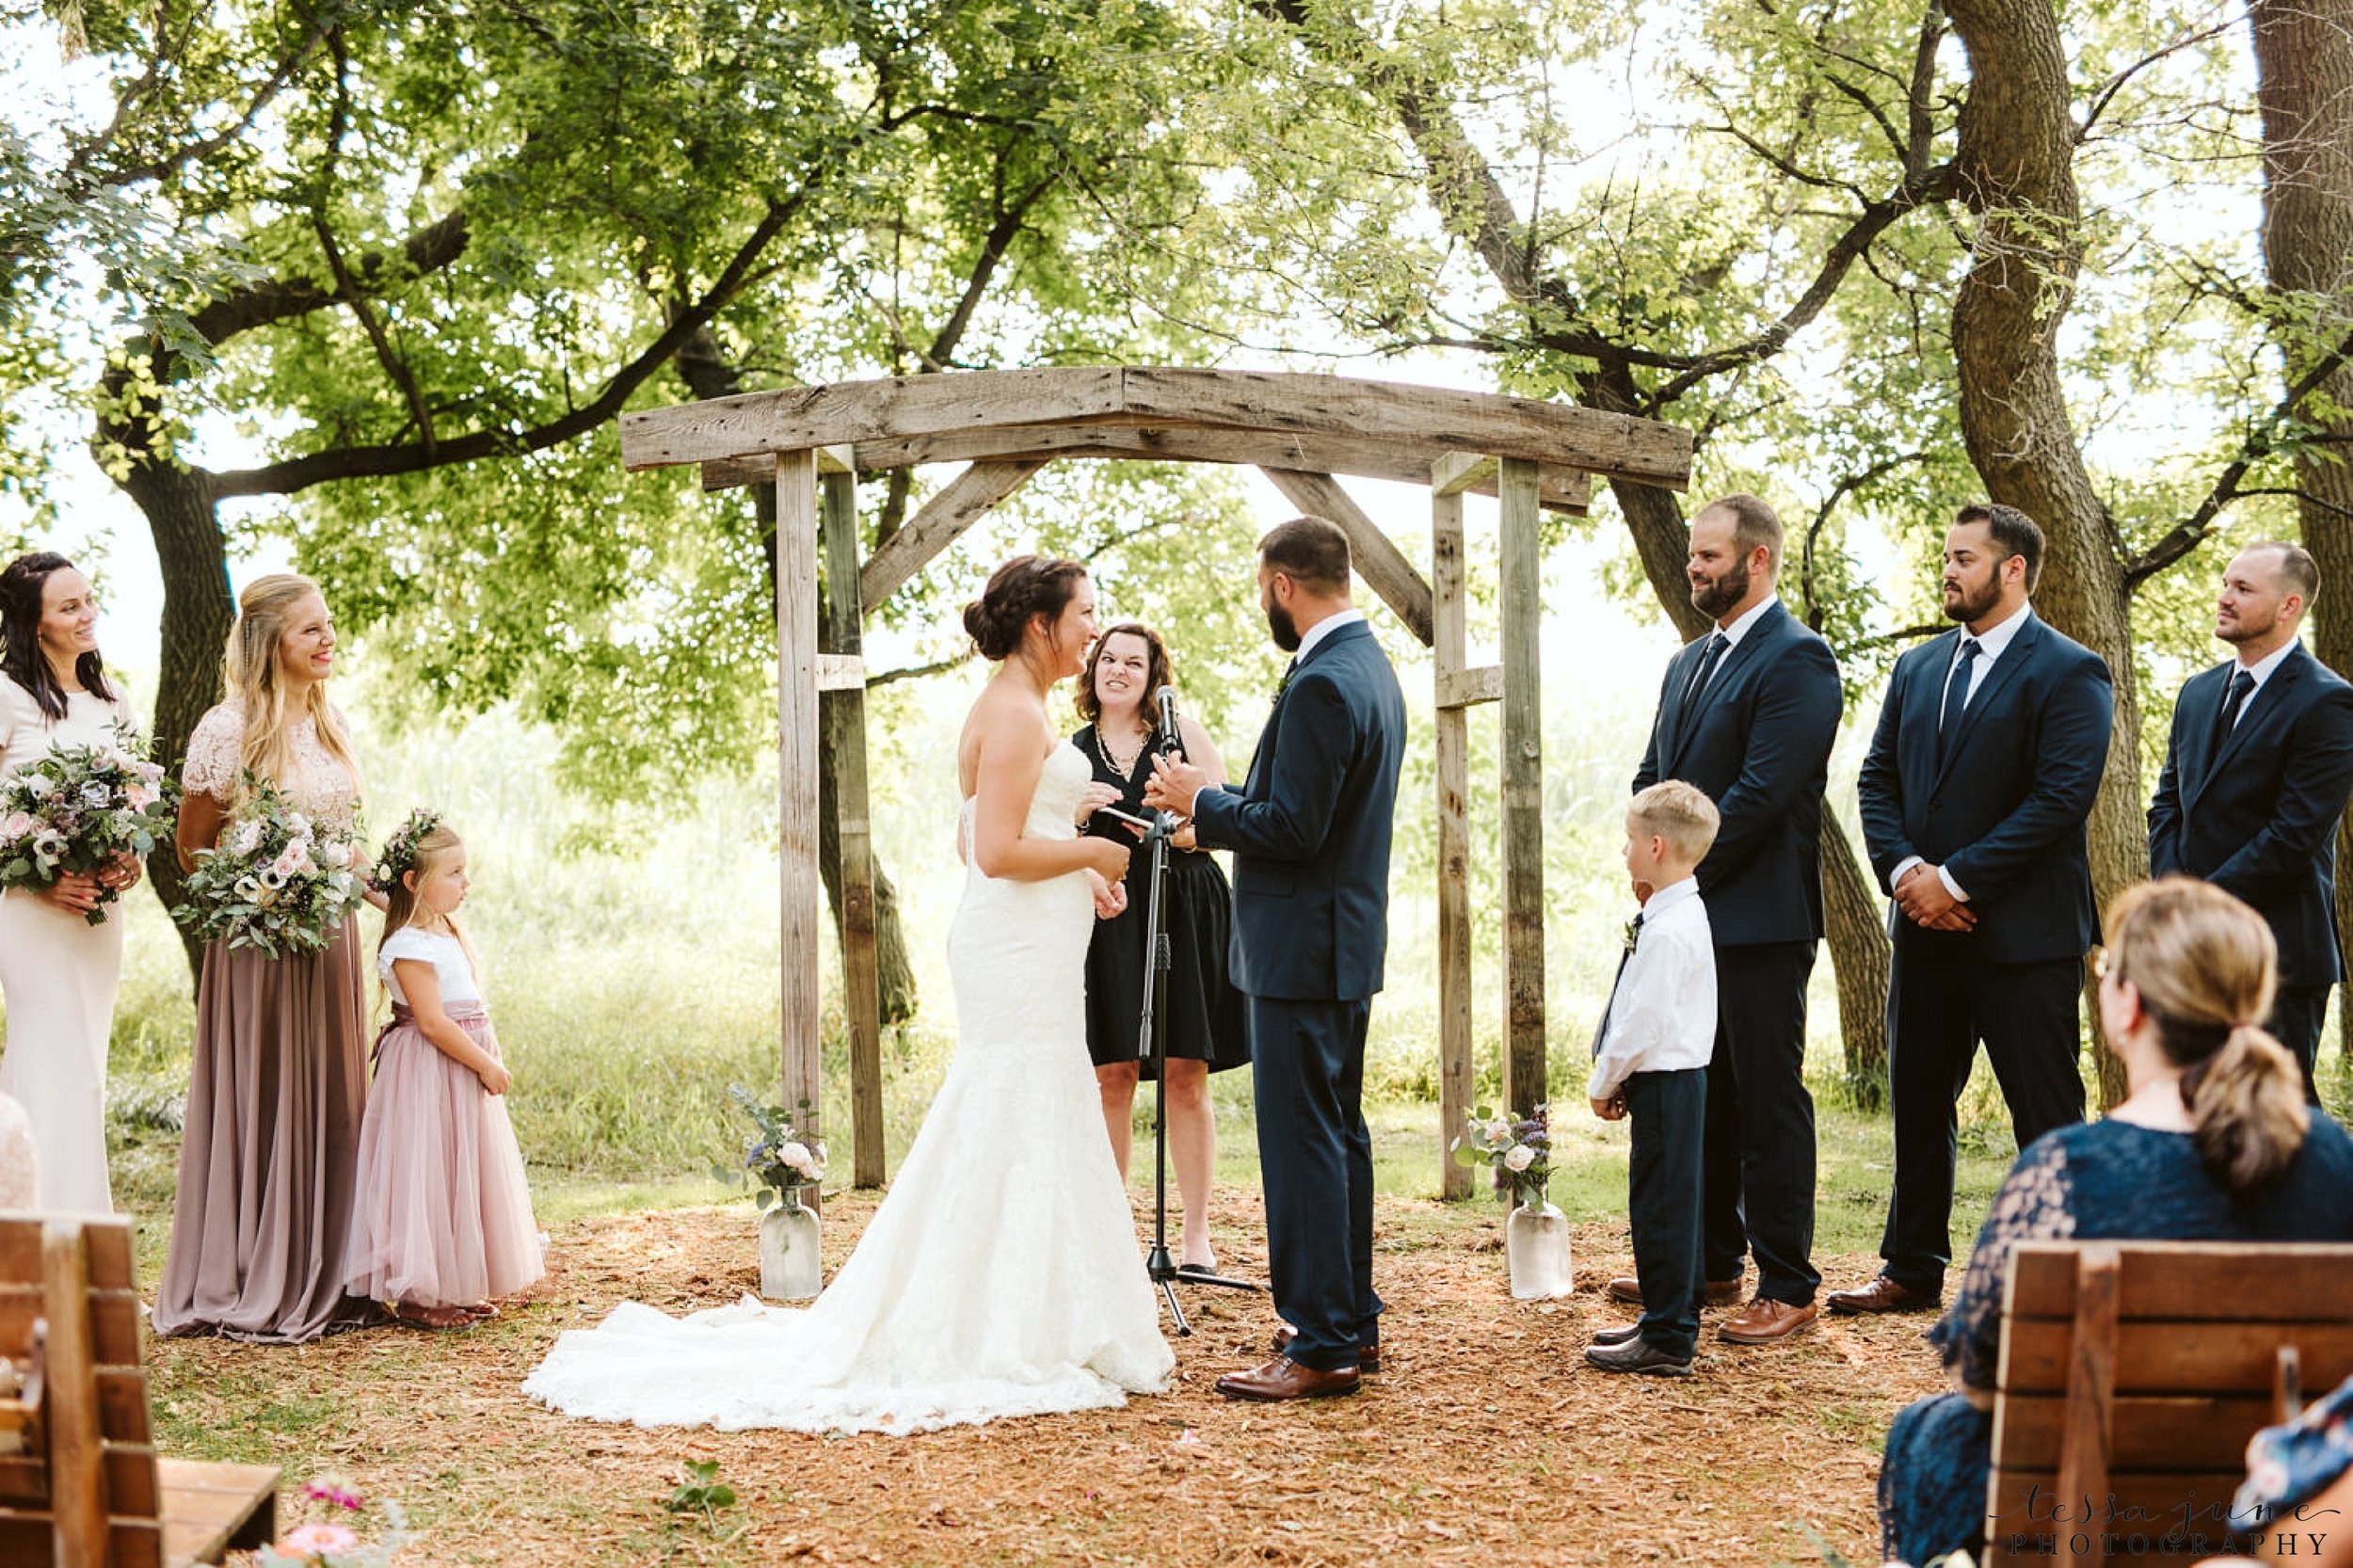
2213 1142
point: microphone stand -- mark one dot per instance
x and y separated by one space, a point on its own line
1151 1048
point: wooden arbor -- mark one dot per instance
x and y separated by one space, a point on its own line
813 441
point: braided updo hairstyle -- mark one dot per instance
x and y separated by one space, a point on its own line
2206 967
1024 586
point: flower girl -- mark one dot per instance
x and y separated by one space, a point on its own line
443 1222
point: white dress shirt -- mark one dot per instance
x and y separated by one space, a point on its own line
1739 629
1324 628
1991 646
1662 1016
2261 669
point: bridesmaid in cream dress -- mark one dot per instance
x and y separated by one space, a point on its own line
57 972
278 1084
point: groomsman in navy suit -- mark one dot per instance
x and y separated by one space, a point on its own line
2256 776
1310 829
1980 777
1748 713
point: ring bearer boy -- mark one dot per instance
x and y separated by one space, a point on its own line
1650 1065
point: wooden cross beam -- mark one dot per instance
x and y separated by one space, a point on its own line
1426 421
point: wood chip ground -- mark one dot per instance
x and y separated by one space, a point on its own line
1483 1440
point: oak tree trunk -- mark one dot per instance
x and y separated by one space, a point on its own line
2014 161
2304 65
178 504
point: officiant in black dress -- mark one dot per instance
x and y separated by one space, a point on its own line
1203 1023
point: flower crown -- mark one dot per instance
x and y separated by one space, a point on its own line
399 854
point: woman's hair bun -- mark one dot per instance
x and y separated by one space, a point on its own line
1024 586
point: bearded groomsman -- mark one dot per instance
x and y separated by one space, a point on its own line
2256 776
1980 777
1748 713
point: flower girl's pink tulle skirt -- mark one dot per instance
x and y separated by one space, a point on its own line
442 1216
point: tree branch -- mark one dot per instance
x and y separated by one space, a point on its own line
1906 634
916 672
994 244
298 473
84 155
429 250
1847 486
2260 443
2116 84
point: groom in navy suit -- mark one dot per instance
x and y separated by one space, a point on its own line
2256 776
1981 777
1310 830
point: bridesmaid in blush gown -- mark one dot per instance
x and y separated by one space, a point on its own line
277 1085
1001 1277
57 971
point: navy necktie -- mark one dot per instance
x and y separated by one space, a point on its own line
2233 702
1955 695
1709 659
1623 959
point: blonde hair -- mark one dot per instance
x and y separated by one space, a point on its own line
1680 813
2206 968
248 673
402 909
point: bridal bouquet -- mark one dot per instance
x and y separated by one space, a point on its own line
80 808
779 1160
1519 1152
279 882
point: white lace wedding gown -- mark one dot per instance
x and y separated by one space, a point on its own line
1000 1275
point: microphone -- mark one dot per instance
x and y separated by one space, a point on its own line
1171 739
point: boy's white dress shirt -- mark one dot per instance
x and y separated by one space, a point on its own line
1662 1017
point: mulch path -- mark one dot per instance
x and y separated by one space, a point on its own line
1484 1436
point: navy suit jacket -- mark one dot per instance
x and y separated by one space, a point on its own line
1759 745
1311 825
2005 810
2260 820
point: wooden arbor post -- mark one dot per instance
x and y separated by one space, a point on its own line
1522 561
842 677
801 892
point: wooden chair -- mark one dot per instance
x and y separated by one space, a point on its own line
80 1484
2133 1373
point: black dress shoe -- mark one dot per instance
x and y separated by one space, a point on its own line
1881 1295
1284 1379
1368 1356
1638 1356
1618 1336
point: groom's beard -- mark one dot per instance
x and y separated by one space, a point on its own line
1286 630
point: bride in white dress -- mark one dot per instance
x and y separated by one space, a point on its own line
1000 1275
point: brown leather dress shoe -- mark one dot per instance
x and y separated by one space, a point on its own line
1766 1321
1285 1379
1368 1356
1716 1293
1881 1295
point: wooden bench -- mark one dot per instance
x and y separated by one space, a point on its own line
80 1484
2133 1373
